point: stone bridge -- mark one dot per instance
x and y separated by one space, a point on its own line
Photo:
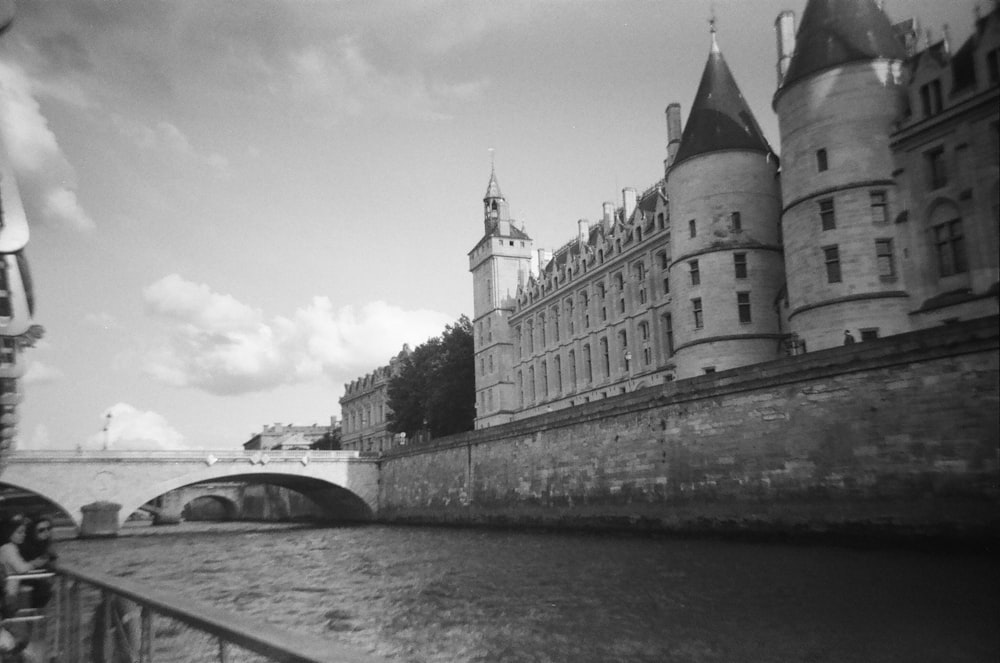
343 483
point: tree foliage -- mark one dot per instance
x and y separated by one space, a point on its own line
435 388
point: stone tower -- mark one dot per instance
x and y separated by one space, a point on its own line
725 206
499 263
837 101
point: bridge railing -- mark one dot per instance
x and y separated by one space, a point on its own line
100 618
207 455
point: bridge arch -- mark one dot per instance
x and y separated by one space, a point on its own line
230 509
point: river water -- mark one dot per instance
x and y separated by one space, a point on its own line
455 595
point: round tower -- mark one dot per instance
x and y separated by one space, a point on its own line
837 102
726 267
499 263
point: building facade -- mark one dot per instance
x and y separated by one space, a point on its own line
365 409
880 218
288 436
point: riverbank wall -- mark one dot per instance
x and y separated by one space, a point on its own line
896 437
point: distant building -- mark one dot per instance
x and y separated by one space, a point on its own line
882 219
287 436
365 409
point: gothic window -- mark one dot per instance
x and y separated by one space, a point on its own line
949 242
541 329
585 307
826 214
531 384
696 312
695 272
559 381
587 364
831 258
545 379
571 358
743 307
570 318
605 356
555 322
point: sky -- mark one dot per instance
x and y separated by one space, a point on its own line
238 207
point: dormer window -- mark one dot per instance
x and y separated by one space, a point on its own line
930 98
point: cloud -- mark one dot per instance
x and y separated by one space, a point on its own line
45 177
39 373
128 428
217 344
165 138
100 320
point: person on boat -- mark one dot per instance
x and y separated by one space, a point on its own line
12 537
38 545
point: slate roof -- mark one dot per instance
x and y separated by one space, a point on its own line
836 32
720 118
493 188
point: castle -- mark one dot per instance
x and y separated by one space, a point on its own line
880 217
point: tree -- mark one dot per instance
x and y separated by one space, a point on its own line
435 387
329 442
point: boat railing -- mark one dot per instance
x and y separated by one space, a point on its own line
101 618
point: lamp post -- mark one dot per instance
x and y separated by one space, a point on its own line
107 425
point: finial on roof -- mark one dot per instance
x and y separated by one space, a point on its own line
711 28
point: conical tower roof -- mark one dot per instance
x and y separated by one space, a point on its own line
720 118
835 32
493 188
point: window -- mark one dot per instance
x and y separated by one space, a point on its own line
571 358
619 281
621 304
659 221
545 379
541 329
587 365
743 306
531 336
668 333
930 98
640 271
993 65
570 318
555 322
735 222
531 384
606 357
559 384
696 311
826 214
937 174
644 331
949 242
647 355
740 265
708 369
666 285
884 258
880 208
869 334
821 163
661 260
491 362
623 345
695 273
520 340
585 307
692 228
831 256
8 350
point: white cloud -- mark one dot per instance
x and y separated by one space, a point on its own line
46 179
164 137
101 320
39 373
128 428
217 344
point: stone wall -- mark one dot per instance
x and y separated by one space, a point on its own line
897 436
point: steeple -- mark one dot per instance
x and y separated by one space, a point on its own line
836 32
720 118
494 204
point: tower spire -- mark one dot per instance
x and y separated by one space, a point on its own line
711 29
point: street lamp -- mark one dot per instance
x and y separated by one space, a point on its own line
107 425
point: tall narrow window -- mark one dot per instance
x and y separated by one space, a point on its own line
606 357
531 336
696 311
545 379
588 366
740 265
884 258
555 322
601 301
558 367
950 243
520 389
880 207
668 333
570 317
826 214
692 228
585 307
531 384
930 98
695 273
666 285
571 358
541 329
821 163
661 260
623 348
520 341
743 306
831 256
937 174
735 222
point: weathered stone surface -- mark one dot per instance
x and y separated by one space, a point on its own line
898 435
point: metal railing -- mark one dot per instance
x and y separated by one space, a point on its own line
98 618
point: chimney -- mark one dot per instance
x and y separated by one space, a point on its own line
608 214
784 31
628 202
583 231
673 133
